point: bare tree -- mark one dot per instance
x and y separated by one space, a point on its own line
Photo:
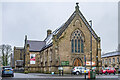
6 51
2 48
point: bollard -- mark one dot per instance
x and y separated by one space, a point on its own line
85 73
91 74
88 74
94 75
62 72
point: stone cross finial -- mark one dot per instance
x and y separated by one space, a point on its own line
77 7
77 3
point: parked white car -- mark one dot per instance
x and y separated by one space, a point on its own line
76 70
79 70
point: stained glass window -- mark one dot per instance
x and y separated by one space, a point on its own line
72 41
75 45
77 42
82 47
78 45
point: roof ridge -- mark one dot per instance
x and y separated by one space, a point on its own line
19 46
88 26
35 40
114 53
110 52
55 31
66 23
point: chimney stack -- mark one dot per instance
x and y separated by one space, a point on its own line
49 32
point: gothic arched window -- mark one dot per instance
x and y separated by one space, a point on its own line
77 42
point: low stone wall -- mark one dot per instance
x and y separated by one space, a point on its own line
49 70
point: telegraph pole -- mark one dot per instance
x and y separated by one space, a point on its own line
91 42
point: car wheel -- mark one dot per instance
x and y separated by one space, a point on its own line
114 73
106 73
12 75
77 73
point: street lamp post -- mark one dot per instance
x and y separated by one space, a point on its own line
91 42
85 65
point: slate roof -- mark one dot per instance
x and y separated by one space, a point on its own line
110 54
35 45
48 41
62 28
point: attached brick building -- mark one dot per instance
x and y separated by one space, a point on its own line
18 60
111 59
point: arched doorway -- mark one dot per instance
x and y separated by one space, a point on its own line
77 62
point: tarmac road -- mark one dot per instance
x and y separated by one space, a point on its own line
39 76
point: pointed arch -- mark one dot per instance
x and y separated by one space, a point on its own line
77 62
77 21
81 34
77 41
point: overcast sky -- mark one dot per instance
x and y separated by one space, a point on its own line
33 19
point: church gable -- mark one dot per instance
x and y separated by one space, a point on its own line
75 35
76 19
79 19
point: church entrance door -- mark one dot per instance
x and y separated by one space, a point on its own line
77 62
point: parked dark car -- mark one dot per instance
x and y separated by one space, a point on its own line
7 71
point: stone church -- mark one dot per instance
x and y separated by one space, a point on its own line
66 47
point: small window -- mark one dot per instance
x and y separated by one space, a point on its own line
103 61
106 61
113 60
109 61
118 59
